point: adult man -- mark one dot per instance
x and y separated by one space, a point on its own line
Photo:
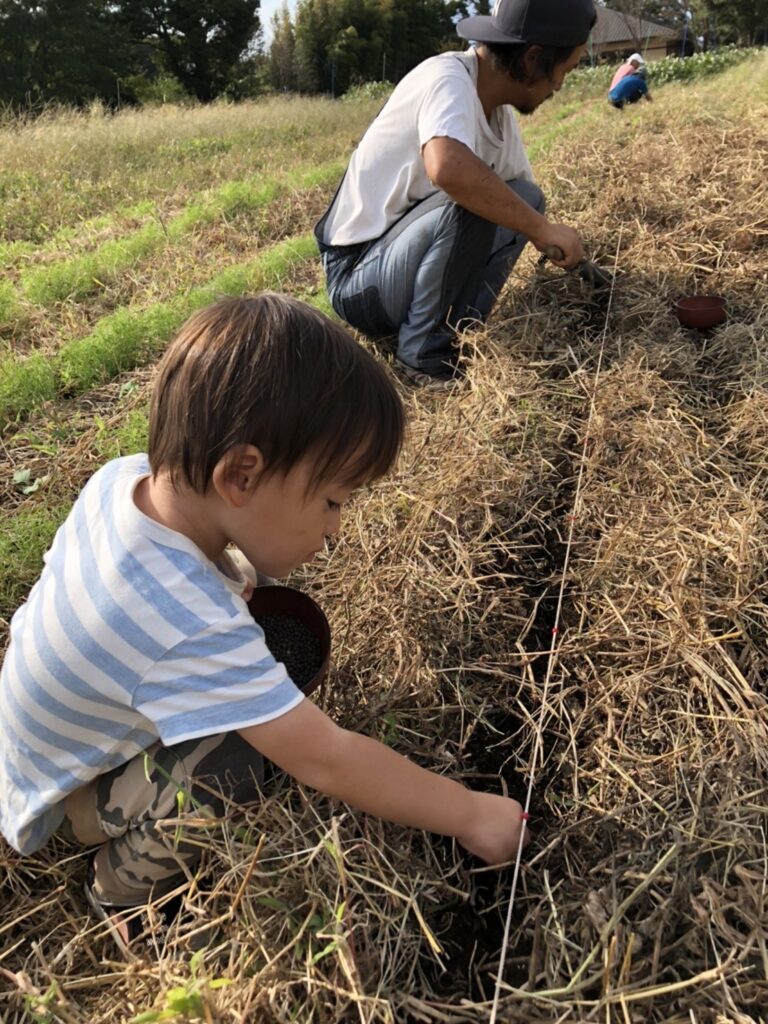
630 67
439 200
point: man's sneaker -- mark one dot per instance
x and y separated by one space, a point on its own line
420 379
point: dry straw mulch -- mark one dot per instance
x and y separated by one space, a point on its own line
643 898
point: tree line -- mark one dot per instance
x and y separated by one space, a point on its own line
328 45
73 51
126 51
705 23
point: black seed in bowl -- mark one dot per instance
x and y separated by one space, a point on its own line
293 643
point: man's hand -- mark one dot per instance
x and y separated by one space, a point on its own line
494 835
561 244
454 168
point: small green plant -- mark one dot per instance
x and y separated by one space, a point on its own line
26 482
368 91
127 439
40 1005
184 1002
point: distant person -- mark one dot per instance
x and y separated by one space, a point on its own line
138 695
630 67
630 89
439 200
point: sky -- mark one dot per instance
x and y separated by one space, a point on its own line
267 9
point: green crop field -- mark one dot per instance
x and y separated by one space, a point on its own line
605 454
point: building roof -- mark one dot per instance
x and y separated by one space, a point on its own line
616 27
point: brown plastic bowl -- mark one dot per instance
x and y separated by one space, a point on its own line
701 311
293 604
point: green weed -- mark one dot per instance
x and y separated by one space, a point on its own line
128 438
76 278
9 304
25 536
185 1002
121 341
24 385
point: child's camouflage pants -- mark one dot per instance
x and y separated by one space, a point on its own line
149 815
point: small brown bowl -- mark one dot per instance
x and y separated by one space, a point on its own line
701 311
293 604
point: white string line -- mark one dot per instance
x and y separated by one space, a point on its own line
553 643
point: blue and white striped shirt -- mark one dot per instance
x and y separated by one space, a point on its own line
130 635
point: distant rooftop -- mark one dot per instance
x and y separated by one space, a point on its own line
615 27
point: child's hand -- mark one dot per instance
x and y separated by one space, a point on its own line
495 832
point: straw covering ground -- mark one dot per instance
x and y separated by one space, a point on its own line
644 895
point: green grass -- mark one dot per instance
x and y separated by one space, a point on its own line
73 168
9 304
25 384
77 277
124 339
24 539
130 337
12 254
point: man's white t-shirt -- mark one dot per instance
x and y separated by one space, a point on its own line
386 174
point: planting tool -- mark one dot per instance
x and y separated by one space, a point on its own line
589 272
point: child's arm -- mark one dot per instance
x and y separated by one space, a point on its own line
369 776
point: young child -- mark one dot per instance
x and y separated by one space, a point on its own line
137 688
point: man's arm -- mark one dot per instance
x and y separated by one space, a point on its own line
369 776
471 183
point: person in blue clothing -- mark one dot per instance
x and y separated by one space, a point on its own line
630 89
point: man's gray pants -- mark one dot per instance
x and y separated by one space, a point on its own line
436 270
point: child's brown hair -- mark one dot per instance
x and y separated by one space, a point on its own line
272 372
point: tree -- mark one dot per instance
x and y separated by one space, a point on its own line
342 42
282 51
66 50
202 42
746 21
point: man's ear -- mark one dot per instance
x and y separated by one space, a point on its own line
236 473
531 59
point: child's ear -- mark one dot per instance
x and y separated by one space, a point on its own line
235 474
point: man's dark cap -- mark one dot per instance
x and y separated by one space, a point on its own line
542 22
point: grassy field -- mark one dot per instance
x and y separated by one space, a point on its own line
606 454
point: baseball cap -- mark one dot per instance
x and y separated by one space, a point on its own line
636 58
545 22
